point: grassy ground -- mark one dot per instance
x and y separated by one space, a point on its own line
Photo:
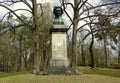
85 78
97 75
100 71
6 74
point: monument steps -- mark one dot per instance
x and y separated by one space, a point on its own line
60 71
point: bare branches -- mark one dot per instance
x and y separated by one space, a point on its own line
35 15
14 11
99 15
70 4
70 26
102 5
4 16
84 2
41 9
10 2
79 3
27 3
9 28
11 11
86 25
103 29
22 10
68 15
64 8
89 4
6 4
32 10
94 7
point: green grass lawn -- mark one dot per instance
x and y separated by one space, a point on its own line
100 71
85 78
97 75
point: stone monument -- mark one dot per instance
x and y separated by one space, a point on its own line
59 63
59 45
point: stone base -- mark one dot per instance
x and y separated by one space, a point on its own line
59 62
60 71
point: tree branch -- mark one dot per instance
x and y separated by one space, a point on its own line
41 8
117 28
9 3
97 7
22 9
25 2
64 8
79 3
15 15
4 16
10 28
82 4
85 25
69 4
97 15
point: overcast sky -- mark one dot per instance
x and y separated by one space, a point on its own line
53 2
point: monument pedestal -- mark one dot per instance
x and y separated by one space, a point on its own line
59 63
59 47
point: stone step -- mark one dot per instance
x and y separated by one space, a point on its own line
60 71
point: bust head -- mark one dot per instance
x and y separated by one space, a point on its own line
57 11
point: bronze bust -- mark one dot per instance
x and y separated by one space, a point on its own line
58 15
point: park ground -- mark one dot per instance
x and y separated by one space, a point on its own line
87 75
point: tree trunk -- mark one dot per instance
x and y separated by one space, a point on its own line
74 35
9 64
105 51
119 53
36 38
83 55
91 52
25 59
74 56
119 58
20 55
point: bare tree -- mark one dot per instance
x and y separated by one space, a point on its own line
78 10
33 10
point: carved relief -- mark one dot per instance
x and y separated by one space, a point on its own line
59 45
